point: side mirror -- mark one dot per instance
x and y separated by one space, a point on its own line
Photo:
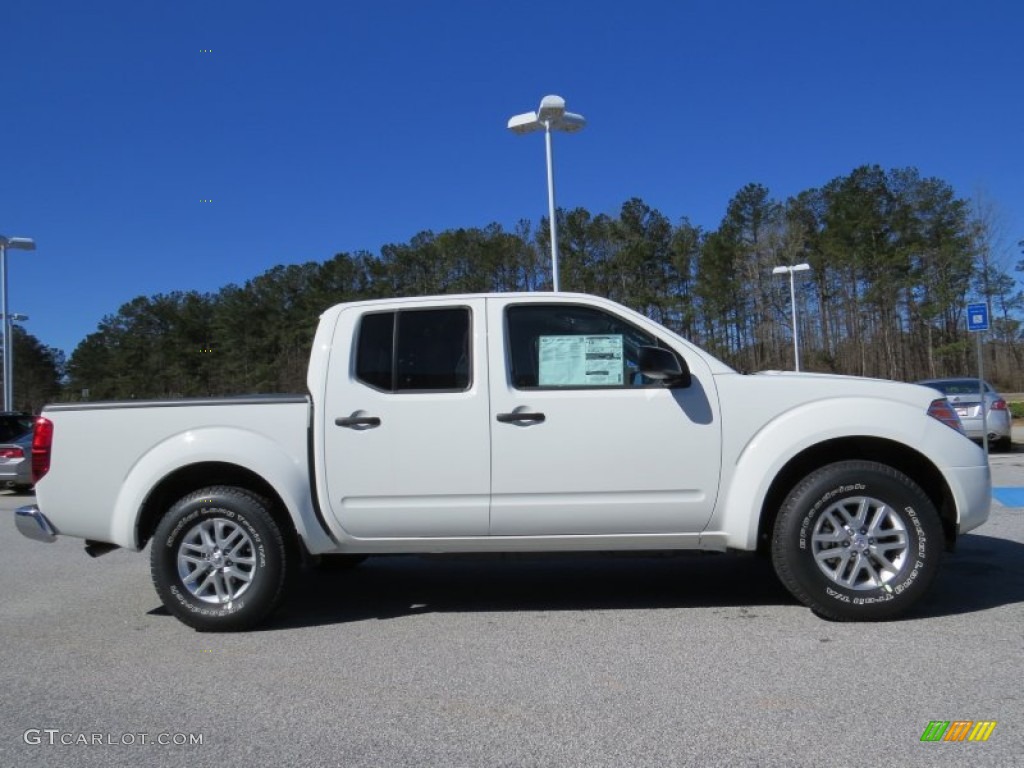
665 366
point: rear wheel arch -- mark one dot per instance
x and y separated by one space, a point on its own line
193 477
896 455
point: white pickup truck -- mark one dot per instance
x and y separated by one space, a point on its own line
515 423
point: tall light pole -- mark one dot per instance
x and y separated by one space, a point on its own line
550 116
18 318
24 244
792 303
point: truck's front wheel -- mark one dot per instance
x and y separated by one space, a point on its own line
219 561
857 540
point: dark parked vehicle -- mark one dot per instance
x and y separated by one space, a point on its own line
965 396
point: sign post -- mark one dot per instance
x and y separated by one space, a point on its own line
977 322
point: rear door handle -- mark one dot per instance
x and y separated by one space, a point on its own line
517 417
355 422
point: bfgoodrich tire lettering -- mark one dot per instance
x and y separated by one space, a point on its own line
857 540
218 559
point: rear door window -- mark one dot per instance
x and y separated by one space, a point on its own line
415 350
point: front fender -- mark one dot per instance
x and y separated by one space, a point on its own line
286 471
757 463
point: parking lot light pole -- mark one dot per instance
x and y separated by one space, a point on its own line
18 318
792 303
24 244
550 116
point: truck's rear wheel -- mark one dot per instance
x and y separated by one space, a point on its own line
857 540
219 561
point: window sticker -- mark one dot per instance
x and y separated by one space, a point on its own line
580 361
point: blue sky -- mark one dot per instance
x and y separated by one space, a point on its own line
321 127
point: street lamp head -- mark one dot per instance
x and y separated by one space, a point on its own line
525 123
551 108
18 243
551 116
570 122
552 111
794 268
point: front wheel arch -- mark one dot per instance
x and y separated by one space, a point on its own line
893 454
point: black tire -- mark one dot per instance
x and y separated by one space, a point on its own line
209 587
1003 445
857 541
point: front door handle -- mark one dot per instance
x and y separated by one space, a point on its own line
355 422
517 417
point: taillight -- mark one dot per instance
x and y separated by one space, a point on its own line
12 452
998 405
941 409
42 442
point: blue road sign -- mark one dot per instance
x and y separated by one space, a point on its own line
977 317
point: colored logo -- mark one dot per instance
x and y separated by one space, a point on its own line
958 730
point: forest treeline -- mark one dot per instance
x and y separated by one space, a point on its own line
895 258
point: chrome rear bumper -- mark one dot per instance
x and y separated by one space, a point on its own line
33 524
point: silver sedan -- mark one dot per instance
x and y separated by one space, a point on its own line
15 450
964 394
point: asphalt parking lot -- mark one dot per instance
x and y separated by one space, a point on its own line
581 661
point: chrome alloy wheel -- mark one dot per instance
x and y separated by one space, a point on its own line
860 543
216 561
